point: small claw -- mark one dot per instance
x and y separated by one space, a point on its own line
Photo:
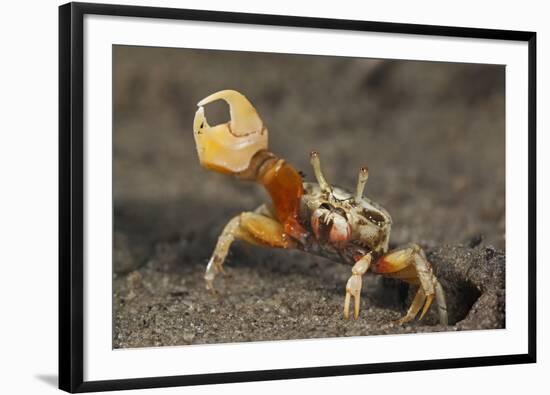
357 303
353 288
346 305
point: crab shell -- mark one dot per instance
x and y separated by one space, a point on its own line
338 221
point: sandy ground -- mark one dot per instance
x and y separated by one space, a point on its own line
432 135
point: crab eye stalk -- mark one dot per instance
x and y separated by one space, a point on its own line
229 147
316 163
361 182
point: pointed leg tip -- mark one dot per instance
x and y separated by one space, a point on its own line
356 311
401 321
210 288
429 300
346 305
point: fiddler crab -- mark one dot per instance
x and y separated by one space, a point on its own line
313 217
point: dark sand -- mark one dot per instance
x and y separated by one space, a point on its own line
432 135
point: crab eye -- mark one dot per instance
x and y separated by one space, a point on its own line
374 217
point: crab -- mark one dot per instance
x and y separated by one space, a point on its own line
317 218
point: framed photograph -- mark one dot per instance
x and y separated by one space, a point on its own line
251 197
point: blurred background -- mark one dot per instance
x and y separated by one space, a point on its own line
431 133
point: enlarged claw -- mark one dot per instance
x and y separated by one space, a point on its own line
229 147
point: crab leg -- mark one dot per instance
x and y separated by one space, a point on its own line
253 227
417 303
353 286
410 264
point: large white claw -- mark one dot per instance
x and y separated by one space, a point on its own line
229 147
244 118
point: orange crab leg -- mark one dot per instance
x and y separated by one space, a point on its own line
410 264
284 185
264 231
393 262
252 227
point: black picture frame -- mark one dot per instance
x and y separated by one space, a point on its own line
71 195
